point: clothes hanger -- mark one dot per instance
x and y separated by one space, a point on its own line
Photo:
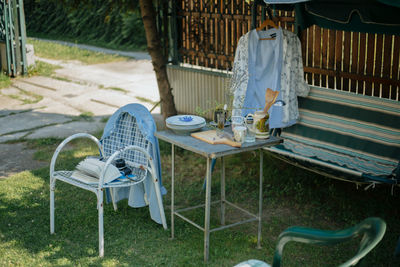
267 22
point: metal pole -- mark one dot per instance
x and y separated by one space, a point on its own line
13 70
22 31
174 34
207 212
17 43
52 206
254 15
7 37
260 201
101 225
172 190
222 191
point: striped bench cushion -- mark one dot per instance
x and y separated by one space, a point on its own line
357 132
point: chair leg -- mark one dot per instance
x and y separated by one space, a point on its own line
101 226
112 199
52 188
160 204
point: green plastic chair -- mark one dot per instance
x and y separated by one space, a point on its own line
371 230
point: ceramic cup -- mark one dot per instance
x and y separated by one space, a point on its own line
260 119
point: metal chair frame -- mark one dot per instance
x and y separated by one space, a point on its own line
98 189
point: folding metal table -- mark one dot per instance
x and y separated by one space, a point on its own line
212 152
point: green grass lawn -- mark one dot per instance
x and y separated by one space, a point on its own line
291 197
63 52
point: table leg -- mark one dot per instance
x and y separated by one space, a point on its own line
207 212
222 191
260 201
172 190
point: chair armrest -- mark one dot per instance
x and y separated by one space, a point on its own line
66 141
118 152
372 230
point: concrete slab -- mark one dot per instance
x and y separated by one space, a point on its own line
135 76
88 90
112 98
48 105
10 91
54 84
67 129
8 105
11 137
29 120
22 95
43 87
73 100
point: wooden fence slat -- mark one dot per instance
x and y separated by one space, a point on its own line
338 58
378 63
206 39
394 94
362 61
303 40
331 57
310 49
317 54
370 62
354 59
346 59
387 64
324 53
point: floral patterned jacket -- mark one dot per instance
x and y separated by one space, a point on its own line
292 76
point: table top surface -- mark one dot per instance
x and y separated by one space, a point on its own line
213 151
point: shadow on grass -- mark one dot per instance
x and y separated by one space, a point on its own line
291 197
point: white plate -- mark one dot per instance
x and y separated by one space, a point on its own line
185 120
186 131
185 127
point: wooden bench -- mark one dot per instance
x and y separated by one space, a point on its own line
345 136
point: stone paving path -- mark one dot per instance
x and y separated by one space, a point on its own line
79 99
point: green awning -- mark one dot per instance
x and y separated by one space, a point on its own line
395 3
371 16
352 15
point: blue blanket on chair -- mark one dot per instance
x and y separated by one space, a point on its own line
140 195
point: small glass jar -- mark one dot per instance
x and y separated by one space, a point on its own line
251 132
239 134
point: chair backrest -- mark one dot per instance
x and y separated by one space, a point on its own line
126 132
371 230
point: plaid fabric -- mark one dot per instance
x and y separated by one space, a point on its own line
125 133
357 132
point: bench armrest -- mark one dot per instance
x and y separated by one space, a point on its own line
372 229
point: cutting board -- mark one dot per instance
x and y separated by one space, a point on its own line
211 137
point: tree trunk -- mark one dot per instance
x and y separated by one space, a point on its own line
159 61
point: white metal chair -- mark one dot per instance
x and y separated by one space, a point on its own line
125 141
